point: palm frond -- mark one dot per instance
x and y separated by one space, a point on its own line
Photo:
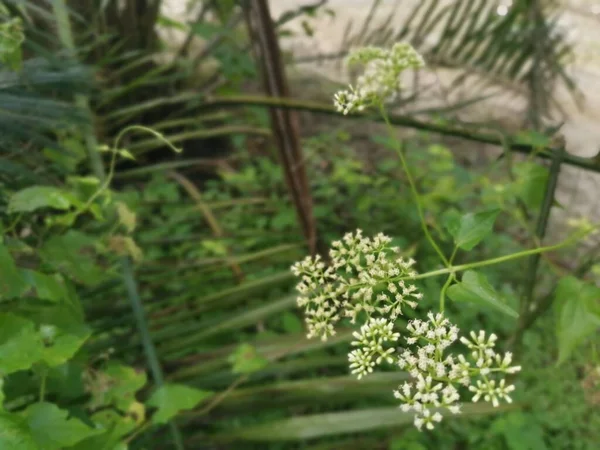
31 102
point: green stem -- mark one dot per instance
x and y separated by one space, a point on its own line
113 162
142 429
413 187
459 130
13 224
223 395
149 348
448 282
493 261
43 386
540 231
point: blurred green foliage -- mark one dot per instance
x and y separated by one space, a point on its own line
239 371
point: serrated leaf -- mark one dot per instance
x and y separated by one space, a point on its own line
20 344
12 282
471 228
67 380
451 221
124 382
474 288
52 429
170 399
62 329
47 287
14 433
520 431
245 359
578 314
113 426
70 254
36 197
65 344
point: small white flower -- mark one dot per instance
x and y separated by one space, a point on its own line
379 82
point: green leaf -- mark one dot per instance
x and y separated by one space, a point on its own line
474 288
67 160
52 429
284 219
113 426
470 229
205 29
345 422
64 345
530 184
20 344
534 138
67 380
124 383
126 154
237 321
520 431
12 282
62 329
577 314
216 248
170 399
47 287
36 197
291 323
245 359
69 253
14 433
451 221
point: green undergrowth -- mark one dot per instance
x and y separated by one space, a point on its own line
154 308
210 312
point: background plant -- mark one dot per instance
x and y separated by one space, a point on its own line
214 278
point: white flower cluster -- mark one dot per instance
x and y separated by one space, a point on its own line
380 80
438 377
366 278
365 275
371 351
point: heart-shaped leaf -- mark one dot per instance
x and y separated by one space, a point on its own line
36 197
52 429
474 288
470 229
170 399
20 344
577 313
